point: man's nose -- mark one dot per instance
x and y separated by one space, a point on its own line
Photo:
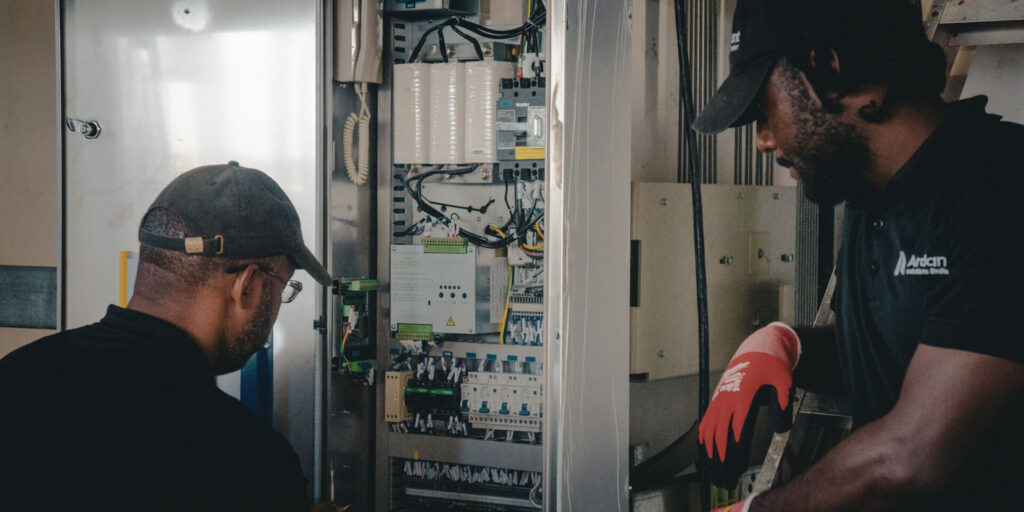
765 138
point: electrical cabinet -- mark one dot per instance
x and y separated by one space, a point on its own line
751 268
462 349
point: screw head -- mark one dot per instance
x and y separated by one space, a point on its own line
775 196
664 202
661 354
739 196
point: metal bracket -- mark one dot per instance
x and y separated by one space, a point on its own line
91 129
804 402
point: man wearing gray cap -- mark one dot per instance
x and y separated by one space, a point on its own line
125 413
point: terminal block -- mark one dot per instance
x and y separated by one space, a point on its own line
441 245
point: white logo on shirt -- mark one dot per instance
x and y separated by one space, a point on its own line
921 265
735 45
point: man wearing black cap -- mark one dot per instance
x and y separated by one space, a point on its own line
124 414
925 345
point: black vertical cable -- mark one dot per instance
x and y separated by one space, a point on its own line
686 100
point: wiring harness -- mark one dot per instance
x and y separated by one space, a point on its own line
529 31
518 227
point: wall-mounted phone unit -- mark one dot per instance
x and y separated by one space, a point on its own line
357 41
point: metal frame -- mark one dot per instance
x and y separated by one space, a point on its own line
382 476
58 8
586 399
324 117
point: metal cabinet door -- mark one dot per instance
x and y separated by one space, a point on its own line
177 84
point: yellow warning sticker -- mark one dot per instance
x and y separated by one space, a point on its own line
451 321
525 153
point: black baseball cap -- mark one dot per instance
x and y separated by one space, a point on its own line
764 30
233 212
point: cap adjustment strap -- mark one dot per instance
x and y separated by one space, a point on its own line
189 245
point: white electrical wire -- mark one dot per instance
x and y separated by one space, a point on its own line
358 173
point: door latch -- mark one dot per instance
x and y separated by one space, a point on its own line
91 129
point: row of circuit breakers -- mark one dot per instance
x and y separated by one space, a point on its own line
445 288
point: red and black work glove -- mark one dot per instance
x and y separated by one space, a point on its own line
759 373
741 506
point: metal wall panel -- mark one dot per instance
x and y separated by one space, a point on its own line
351 407
176 84
751 253
586 405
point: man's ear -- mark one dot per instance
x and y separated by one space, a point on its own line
828 72
245 288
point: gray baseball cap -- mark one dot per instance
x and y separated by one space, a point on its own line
234 212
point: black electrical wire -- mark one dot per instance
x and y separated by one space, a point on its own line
528 30
414 186
686 97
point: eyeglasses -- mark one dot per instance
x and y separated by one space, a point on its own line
291 286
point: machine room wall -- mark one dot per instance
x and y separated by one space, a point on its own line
29 140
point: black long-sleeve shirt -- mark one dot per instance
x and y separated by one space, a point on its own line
124 414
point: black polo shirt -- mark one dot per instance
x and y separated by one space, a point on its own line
933 259
124 414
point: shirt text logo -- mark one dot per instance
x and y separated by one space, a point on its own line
921 265
735 45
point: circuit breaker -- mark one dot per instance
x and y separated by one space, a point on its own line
503 401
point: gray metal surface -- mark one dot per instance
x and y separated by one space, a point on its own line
998 72
982 11
176 84
29 297
989 34
351 407
460 450
383 191
58 9
586 459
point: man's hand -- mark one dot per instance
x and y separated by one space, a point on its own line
761 369
947 405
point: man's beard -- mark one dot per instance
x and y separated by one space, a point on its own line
253 336
830 156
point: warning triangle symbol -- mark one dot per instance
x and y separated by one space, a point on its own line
451 322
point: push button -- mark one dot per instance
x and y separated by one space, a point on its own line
877 224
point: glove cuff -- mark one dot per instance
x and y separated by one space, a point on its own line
794 345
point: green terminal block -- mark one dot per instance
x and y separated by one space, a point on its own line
416 332
356 367
437 245
362 285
